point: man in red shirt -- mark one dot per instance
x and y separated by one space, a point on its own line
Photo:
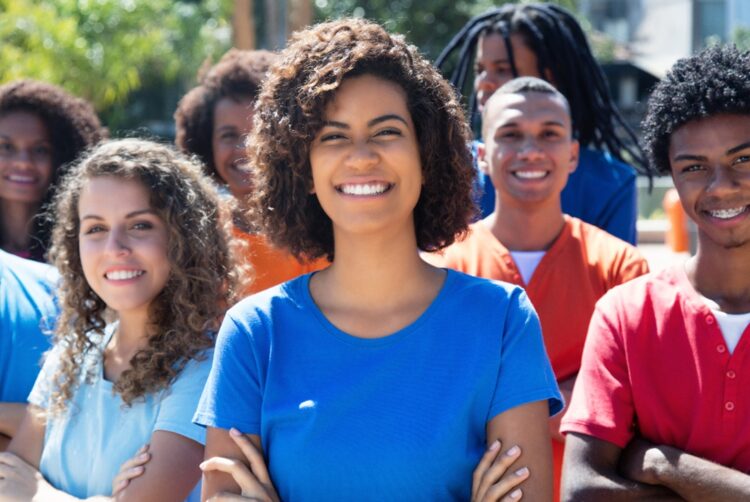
564 264
661 408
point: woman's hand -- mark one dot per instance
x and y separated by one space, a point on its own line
493 480
131 469
20 482
254 481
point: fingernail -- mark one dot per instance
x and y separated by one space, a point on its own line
522 471
143 456
234 432
495 445
202 465
515 494
122 484
513 451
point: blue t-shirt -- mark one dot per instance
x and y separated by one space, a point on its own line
401 417
601 191
27 316
85 446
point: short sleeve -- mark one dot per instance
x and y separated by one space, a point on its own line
233 396
181 399
525 373
602 404
40 393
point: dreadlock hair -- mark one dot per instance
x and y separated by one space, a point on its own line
558 42
714 81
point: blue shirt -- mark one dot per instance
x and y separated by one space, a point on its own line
601 191
27 316
402 417
85 446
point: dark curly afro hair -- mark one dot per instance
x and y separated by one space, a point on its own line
238 75
290 113
73 126
714 81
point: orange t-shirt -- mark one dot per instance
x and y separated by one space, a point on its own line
582 264
272 266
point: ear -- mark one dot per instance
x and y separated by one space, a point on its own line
575 149
481 156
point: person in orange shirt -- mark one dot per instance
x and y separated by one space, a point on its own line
212 122
565 264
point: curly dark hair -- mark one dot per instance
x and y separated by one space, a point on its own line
238 75
73 126
290 113
202 282
716 80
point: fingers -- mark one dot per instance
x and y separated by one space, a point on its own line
484 463
253 455
247 482
131 468
498 481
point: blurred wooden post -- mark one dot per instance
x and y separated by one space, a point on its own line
300 14
243 24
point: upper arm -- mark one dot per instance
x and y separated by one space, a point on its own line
527 427
220 444
29 440
172 471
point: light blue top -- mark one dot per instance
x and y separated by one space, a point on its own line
401 417
85 447
601 191
27 316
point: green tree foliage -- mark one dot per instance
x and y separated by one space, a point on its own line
104 50
428 25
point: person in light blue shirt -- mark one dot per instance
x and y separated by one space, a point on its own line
146 274
380 377
27 316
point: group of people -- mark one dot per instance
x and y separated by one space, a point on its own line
330 289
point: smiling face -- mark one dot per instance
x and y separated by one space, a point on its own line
25 158
366 168
492 65
123 244
529 150
233 120
710 161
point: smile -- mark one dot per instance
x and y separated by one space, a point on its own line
364 189
123 275
726 214
21 178
530 175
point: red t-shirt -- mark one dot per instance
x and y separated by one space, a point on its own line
656 365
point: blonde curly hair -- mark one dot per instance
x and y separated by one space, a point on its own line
203 280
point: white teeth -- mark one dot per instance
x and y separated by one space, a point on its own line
122 275
20 178
725 214
532 175
364 189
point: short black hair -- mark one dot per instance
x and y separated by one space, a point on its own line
714 81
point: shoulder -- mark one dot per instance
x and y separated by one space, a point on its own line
603 169
653 291
601 244
465 250
28 273
469 293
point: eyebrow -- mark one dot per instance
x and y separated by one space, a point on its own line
375 121
132 214
734 149
556 123
738 148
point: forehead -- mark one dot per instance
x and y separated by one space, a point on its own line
232 107
355 94
19 122
112 194
711 135
527 107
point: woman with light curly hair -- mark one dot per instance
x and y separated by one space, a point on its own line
380 377
42 130
146 274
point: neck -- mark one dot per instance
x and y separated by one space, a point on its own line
15 230
541 224
722 275
131 335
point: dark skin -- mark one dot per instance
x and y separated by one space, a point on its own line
710 161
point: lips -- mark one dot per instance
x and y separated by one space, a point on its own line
364 189
24 179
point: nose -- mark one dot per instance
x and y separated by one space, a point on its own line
723 180
117 243
22 157
529 149
362 156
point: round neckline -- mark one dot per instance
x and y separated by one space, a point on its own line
380 341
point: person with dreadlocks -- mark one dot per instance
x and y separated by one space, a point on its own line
42 129
213 121
542 40
661 408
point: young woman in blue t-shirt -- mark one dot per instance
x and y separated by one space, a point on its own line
145 276
380 377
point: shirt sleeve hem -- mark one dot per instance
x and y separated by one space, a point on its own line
553 398
598 431
210 420
190 431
